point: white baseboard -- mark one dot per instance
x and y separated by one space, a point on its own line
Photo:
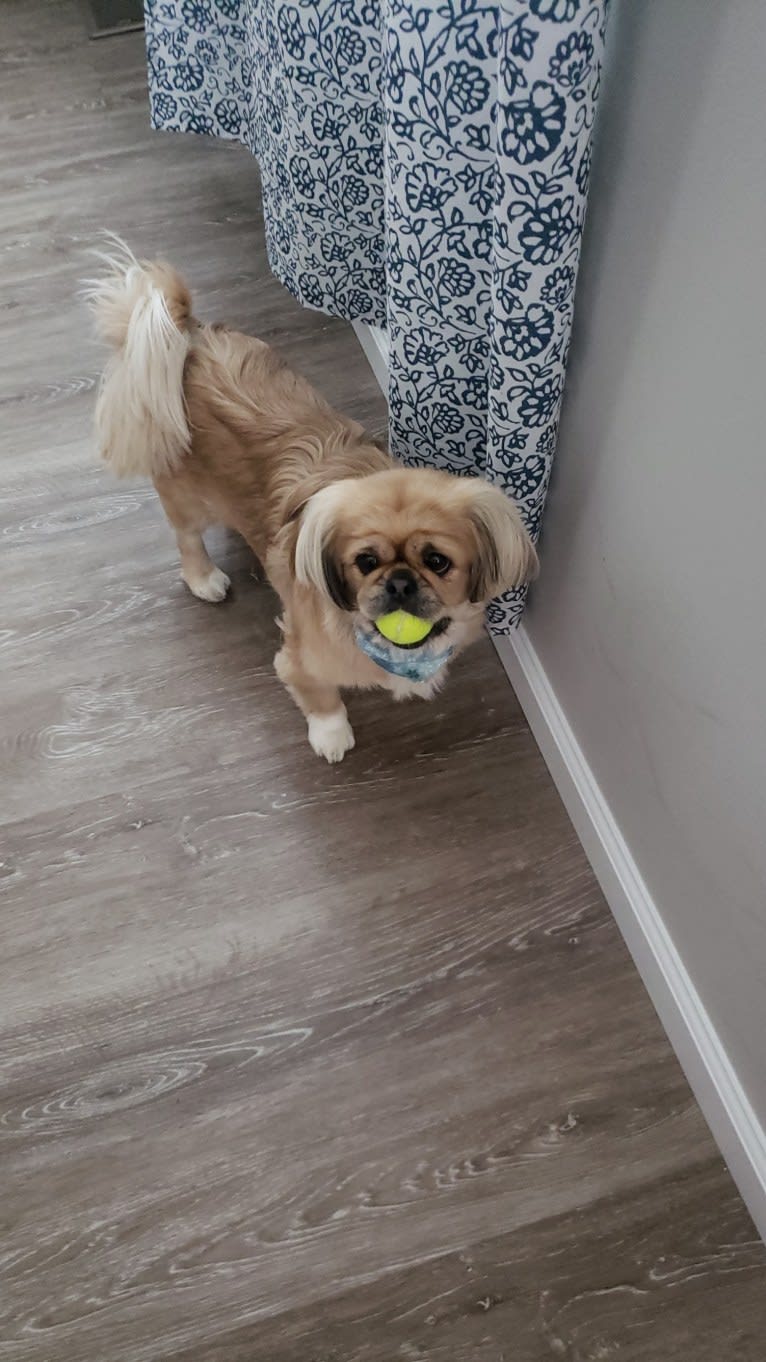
374 342
711 1075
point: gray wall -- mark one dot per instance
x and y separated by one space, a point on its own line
650 616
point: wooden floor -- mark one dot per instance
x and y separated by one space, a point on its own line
298 1063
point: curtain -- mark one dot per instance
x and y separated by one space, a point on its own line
424 169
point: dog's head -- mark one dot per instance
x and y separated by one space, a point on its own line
437 546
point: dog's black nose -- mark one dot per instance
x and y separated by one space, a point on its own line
401 586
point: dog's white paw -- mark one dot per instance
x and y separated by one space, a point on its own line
331 735
210 588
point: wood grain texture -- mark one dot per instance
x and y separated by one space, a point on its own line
296 1063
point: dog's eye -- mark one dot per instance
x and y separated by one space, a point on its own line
437 562
367 563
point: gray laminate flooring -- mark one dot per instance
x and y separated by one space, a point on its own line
297 1064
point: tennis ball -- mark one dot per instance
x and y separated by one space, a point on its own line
400 627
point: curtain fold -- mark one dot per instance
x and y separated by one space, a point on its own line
425 169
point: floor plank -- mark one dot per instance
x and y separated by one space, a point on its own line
296 1063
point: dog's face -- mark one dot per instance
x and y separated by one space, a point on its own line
437 546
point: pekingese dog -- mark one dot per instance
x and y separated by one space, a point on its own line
230 435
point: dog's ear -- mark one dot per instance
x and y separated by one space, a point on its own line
505 555
335 584
316 563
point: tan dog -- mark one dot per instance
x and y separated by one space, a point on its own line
230 435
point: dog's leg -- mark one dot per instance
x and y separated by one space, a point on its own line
203 578
330 733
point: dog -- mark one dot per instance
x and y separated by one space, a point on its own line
230 435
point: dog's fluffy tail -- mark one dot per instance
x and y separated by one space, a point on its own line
143 310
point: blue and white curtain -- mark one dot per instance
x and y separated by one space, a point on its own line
424 169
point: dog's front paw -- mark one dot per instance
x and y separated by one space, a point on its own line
331 735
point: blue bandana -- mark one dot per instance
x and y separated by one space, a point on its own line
410 663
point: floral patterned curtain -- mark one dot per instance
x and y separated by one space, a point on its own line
425 169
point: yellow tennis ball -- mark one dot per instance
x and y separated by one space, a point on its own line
400 627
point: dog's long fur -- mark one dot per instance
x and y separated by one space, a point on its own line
230 435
